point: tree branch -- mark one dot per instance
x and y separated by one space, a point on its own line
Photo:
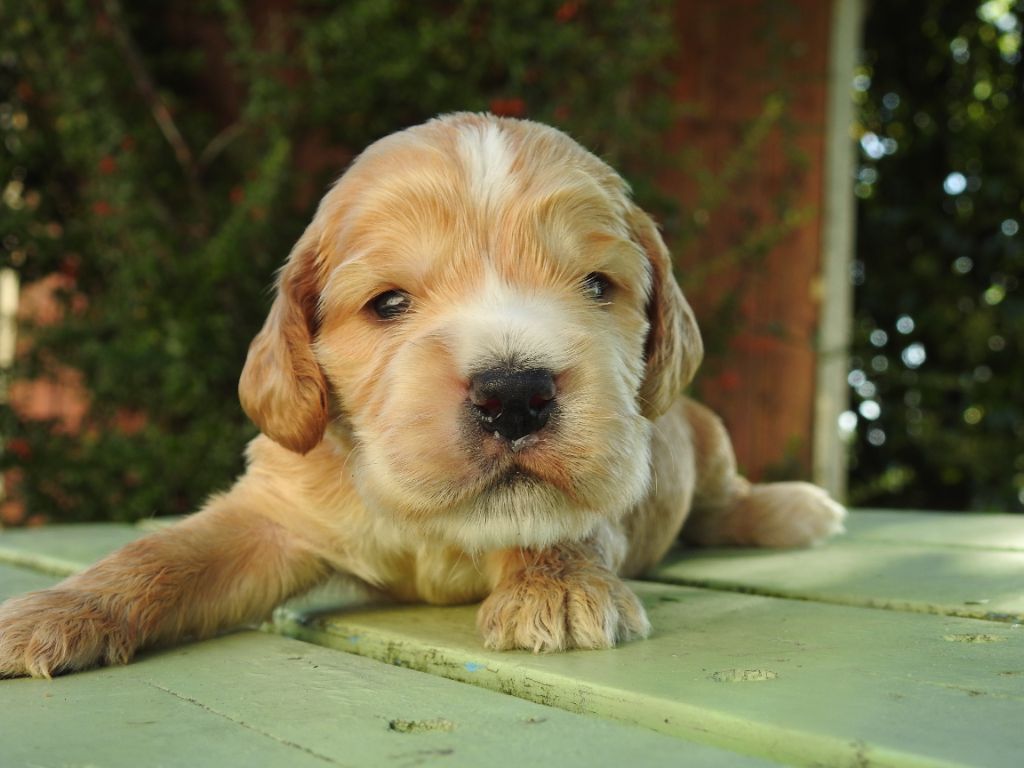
147 88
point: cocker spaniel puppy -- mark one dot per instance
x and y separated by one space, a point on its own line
468 388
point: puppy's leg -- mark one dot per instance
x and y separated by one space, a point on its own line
561 597
729 510
225 566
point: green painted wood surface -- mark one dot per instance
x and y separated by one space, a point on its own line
253 699
802 681
63 549
15 581
981 530
794 681
954 572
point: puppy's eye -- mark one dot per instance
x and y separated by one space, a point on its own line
596 286
390 304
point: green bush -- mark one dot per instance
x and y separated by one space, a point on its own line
164 156
938 363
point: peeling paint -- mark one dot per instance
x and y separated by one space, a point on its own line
974 638
421 726
743 675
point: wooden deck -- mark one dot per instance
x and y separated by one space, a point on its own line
900 644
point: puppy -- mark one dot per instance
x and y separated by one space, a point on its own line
468 387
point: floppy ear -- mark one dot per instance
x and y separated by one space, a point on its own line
283 389
674 348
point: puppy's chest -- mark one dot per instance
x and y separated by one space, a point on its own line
420 572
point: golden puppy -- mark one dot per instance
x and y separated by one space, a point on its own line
468 388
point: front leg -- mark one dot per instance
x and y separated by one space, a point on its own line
223 567
556 598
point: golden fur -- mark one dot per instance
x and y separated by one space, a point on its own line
368 464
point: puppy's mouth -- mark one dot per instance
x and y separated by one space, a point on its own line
524 463
497 455
515 477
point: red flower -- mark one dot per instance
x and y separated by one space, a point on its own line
510 107
20 447
102 208
567 11
12 512
107 165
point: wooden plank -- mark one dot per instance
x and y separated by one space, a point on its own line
258 699
981 530
792 681
970 582
63 549
16 581
830 684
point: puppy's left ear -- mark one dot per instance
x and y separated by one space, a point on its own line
674 348
283 389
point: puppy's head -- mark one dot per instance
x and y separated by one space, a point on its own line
495 322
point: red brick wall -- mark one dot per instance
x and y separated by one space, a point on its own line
733 55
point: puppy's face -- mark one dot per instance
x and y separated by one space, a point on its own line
496 323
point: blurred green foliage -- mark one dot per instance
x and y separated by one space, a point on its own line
163 157
938 359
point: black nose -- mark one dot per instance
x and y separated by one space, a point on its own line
512 403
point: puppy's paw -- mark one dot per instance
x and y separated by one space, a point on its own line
53 631
790 514
542 611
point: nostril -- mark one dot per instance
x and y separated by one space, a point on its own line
540 401
490 407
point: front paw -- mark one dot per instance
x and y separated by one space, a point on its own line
53 631
542 611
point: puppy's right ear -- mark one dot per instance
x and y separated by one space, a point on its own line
283 389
